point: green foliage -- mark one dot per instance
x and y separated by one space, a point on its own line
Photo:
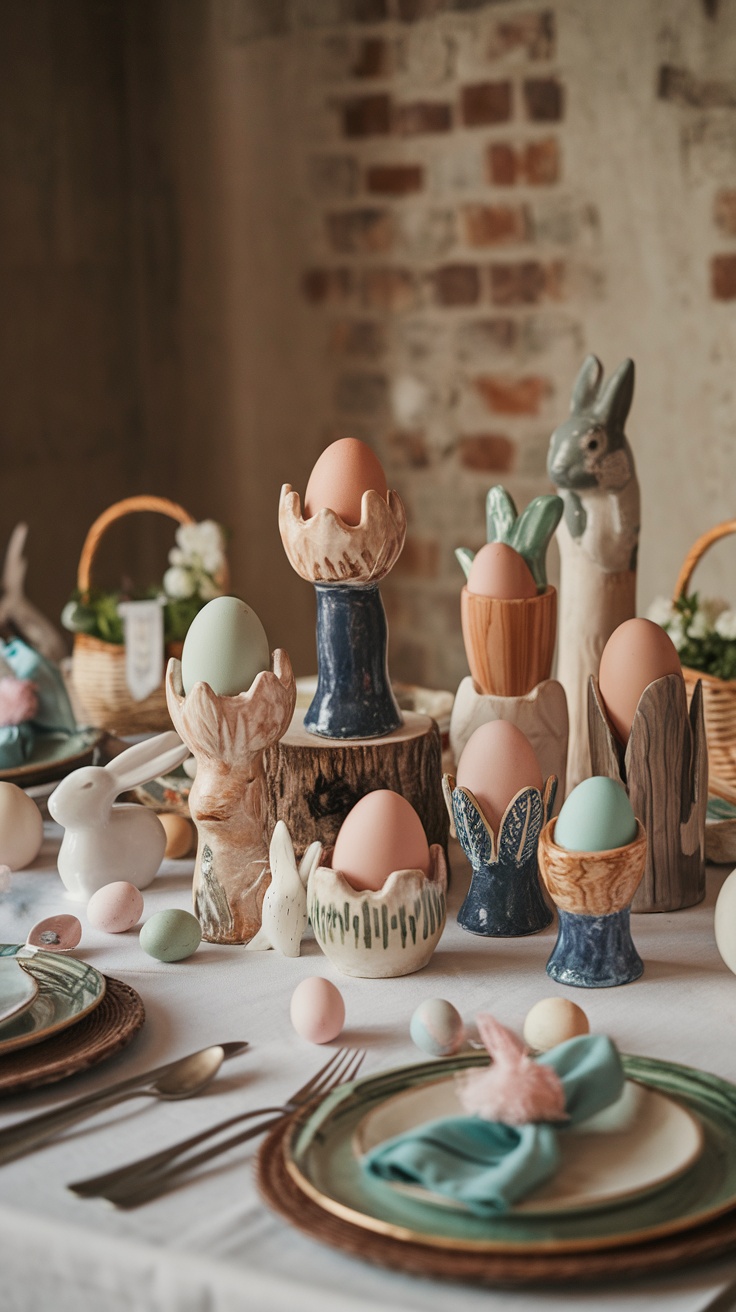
699 645
96 613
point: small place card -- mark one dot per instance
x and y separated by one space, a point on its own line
143 624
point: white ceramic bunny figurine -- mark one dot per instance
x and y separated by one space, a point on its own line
284 911
103 843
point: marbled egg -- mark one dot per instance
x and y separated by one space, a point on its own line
226 647
437 1028
317 1010
552 1021
115 907
21 827
179 835
171 935
725 921
596 817
344 471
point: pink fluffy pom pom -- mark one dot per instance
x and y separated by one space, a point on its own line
18 700
514 1089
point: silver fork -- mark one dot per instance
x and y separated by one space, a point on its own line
148 1177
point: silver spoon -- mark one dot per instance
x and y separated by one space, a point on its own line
178 1079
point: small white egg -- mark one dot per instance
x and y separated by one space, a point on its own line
21 827
437 1028
552 1021
725 921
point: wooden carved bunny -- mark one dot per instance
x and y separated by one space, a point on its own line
103 843
591 465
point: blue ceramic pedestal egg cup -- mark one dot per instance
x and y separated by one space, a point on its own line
505 898
354 697
593 893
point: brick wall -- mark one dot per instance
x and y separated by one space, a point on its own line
449 268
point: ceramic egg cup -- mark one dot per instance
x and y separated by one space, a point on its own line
664 769
345 563
505 898
592 892
228 737
540 714
385 933
509 644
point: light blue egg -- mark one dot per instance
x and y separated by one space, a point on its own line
171 935
437 1028
226 646
595 817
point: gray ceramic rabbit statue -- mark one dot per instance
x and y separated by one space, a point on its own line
591 465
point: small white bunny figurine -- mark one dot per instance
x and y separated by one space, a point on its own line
284 911
103 843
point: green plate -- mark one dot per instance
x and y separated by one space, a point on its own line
53 757
68 989
321 1161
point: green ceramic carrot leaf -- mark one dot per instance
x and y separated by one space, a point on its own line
528 533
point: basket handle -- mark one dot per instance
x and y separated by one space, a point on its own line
129 506
699 549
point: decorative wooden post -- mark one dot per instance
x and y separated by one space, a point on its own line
664 769
228 737
592 467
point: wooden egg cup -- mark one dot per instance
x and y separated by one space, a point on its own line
380 935
664 768
345 563
540 714
593 892
228 737
509 644
505 898
313 782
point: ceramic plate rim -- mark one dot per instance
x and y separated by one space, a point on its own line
406 1234
55 1027
29 997
87 739
580 1203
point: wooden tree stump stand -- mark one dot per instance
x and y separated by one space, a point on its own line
313 782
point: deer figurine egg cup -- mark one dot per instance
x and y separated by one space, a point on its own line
228 737
510 642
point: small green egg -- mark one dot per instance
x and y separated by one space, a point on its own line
171 935
595 817
226 646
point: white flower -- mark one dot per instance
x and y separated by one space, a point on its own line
207 588
725 625
712 607
179 583
676 631
661 611
700 625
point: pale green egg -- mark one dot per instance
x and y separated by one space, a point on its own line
595 817
226 647
171 935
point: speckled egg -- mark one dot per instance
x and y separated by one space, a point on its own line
115 907
552 1021
179 835
171 935
596 817
317 1010
437 1028
21 827
226 646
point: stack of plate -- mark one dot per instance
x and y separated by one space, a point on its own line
58 1015
647 1184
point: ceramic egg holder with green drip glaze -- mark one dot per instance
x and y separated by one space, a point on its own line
510 643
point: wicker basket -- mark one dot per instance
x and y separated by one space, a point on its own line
98 668
719 695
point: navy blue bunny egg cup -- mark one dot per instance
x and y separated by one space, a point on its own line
505 898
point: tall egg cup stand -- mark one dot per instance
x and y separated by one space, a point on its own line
352 739
228 801
664 769
510 644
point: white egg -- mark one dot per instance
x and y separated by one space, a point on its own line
725 922
21 827
552 1021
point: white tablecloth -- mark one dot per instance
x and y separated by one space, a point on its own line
213 1246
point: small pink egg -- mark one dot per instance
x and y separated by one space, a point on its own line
116 907
496 763
381 834
317 1010
500 571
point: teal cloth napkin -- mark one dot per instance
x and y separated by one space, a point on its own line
489 1166
54 715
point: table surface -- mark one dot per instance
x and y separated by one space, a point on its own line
212 1244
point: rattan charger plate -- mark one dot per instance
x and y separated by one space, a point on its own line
93 1039
712 1240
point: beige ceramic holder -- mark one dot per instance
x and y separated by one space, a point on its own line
379 935
541 715
664 768
228 737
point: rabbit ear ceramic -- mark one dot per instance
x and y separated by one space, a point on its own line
104 843
591 465
284 916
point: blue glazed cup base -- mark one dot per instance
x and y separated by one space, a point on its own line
594 952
